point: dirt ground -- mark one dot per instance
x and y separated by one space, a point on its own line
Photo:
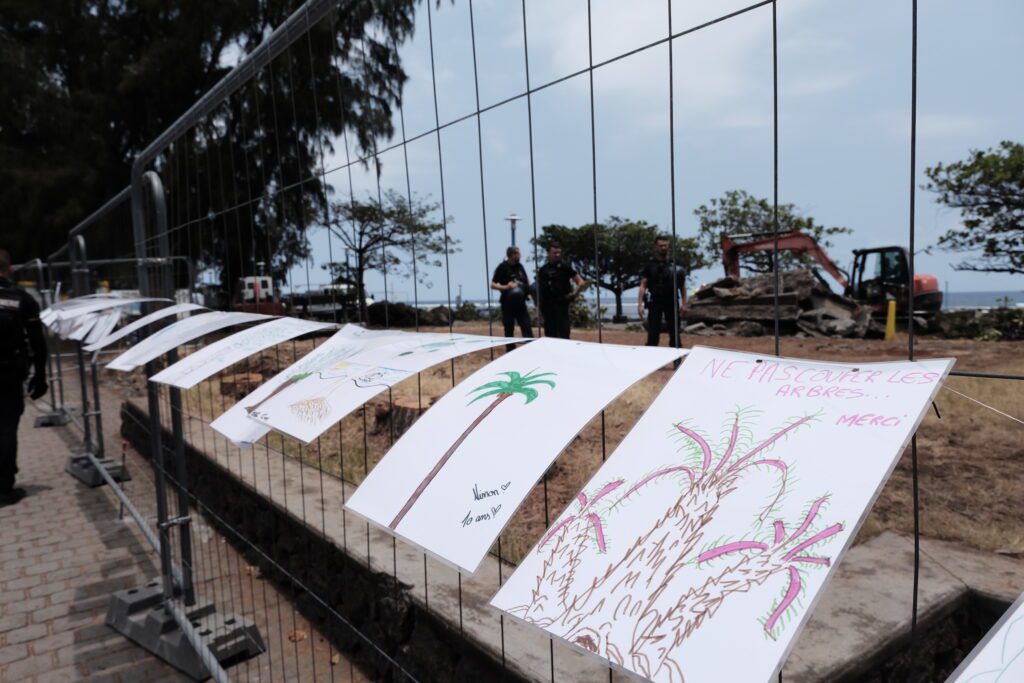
971 461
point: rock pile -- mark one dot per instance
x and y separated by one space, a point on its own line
807 308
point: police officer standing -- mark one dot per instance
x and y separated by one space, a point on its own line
555 282
21 344
661 279
510 279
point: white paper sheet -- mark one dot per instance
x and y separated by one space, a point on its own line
108 320
999 657
102 305
179 333
714 525
78 327
454 479
196 367
308 409
142 322
235 424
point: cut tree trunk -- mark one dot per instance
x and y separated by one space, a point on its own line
394 418
240 384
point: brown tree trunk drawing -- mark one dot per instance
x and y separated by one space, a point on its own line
284 385
444 459
657 636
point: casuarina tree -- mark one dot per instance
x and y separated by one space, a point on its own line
988 190
87 85
392 234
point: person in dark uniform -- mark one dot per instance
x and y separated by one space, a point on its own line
22 345
665 283
555 282
510 279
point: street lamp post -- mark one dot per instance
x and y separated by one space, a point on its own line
512 218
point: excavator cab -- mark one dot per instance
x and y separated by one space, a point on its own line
881 274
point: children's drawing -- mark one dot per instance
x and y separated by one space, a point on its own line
999 657
452 482
211 359
515 384
181 332
330 356
318 408
630 589
142 322
715 524
306 409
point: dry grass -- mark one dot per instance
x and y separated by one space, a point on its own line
971 461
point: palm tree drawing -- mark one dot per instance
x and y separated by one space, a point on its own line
516 383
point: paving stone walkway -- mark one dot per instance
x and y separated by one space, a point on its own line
65 548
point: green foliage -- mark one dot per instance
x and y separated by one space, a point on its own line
613 253
393 234
737 212
515 384
996 324
467 312
988 189
86 86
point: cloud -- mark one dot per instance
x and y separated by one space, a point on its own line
797 85
935 124
719 70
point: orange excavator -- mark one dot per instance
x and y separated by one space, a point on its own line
878 275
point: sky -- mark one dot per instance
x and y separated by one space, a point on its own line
844 121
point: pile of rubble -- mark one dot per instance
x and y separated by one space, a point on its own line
806 308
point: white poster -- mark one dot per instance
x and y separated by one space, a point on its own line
78 327
235 424
142 322
455 478
308 409
713 527
999 657
101 305
49 314
108 321
194 368
179 333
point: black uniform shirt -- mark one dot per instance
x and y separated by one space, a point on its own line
555 283
506 273
660 280
21 333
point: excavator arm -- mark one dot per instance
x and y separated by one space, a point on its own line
795 241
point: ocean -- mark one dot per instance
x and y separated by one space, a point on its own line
951 301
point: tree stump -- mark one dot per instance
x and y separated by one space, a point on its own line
396 417
240 384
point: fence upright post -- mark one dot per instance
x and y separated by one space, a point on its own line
80 282
55 417
180 477
60 374
83 270
84 466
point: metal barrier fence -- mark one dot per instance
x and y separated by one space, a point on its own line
250 173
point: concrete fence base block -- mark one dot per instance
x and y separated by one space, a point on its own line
82 469
53 418
140 616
